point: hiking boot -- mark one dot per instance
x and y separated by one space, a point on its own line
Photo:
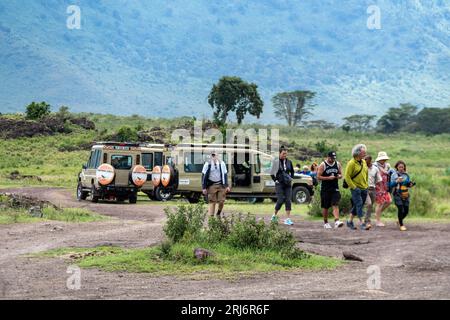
351 225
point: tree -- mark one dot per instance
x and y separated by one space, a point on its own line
63 113
232 94
126 134
359 122
319 124
397 119
433 120
36 111
293 106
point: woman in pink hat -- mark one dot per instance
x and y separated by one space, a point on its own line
383 197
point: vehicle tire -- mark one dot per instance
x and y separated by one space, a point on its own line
150 195
81 195
301 195
132 198
163 194
195 198
254 200
94 195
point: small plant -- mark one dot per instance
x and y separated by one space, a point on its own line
324 147
186 221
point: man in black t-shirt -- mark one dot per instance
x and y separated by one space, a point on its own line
329 173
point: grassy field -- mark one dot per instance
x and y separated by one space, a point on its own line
426 157
227 262
10 215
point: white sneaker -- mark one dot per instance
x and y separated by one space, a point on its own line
327 226
338 224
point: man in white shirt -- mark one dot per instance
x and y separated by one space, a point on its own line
215 183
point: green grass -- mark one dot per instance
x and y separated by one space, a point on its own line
10 215
227 262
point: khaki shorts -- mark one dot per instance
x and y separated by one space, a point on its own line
216 193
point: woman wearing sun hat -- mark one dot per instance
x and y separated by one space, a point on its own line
383 197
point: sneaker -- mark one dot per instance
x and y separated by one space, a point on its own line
338 224
274 219
351 225
380 224
327 226
403 228
288 222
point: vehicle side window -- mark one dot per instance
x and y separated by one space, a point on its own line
158 159
194 161
257 164
94 159
88 164
147 161
122 162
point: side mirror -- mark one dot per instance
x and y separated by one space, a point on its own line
84 166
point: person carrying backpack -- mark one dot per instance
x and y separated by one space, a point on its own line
400 184
282 172
215 183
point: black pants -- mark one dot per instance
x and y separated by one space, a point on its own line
403 211
284 195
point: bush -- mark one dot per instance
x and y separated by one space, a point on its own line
185 222
127 134
324 147
218 229
36 111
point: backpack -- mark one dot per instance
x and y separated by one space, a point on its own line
389 178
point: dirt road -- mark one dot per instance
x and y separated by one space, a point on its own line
412 264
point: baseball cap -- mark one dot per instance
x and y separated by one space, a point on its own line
332 154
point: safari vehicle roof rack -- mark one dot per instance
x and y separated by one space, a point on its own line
214 145
115 143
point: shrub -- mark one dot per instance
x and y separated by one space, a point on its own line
324 147
345 205
36 111
185 222
218 229
248 233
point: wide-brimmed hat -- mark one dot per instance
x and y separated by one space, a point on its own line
382 156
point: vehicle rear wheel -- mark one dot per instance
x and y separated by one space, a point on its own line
195 198
163 194
81 195
94 195
132 198
301 195
254 200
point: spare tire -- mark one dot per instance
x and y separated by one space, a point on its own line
139 176
167 174
105 174
156 176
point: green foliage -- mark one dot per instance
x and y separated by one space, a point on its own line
36 111
358 122
293 106
186 221
232 94
433 120
324 147
127 134
397 119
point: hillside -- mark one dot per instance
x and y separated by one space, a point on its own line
153 56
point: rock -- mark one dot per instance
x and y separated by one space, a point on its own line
350 256
202 254
57 228
35 212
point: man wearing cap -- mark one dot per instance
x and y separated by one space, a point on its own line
329 173
215 183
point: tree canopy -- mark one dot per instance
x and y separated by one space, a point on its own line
293 106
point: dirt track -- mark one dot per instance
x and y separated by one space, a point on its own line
413 264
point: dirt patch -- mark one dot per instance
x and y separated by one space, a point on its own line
413 265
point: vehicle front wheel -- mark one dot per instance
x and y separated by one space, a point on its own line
132 198
81 195
301 195
94 195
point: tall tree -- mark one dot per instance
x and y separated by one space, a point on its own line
359 122
397 119
433 120
36 111
232 94
293 106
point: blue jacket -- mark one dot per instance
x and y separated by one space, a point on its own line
207 169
